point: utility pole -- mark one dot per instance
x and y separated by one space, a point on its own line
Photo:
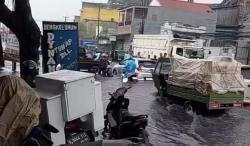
98 24
65 18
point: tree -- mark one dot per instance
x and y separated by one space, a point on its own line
22 24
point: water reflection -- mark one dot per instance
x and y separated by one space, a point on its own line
170 125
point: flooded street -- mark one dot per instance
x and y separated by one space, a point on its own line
171 126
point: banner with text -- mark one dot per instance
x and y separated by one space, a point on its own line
10 47
60 46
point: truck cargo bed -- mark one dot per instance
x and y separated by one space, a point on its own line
212 101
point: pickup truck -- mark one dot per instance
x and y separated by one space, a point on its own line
191 99
87 62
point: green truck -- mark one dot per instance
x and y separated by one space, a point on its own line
190 98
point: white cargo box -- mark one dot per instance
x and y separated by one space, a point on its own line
77 90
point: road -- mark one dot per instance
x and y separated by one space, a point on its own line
171 126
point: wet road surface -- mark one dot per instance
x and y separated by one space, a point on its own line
171 126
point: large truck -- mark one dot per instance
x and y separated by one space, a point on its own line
156 46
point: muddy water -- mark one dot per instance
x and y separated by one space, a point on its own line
171 126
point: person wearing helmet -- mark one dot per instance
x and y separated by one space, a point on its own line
103 64
130 67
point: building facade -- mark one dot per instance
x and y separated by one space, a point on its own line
98 22
233 25
149 20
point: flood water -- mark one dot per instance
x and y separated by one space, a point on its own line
171 126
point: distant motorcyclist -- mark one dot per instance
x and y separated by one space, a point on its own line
103 64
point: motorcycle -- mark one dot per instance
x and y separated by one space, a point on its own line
107 72
121 124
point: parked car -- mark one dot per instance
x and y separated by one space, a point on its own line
145 68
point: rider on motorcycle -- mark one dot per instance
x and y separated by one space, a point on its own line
130 67
103 64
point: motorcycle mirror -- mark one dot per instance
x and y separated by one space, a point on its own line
50 128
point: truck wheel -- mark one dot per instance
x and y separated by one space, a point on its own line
188 108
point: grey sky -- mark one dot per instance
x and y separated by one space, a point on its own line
55 10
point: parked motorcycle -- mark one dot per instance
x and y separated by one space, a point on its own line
121 124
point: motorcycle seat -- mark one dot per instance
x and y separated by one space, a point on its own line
134 117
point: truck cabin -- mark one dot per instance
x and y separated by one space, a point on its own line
187 52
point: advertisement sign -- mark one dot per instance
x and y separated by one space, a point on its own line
87 43
124 29
60 46
11 48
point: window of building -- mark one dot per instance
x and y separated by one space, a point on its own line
225 50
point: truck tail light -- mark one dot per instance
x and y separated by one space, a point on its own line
215 104
238 104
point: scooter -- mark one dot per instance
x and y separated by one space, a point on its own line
121 124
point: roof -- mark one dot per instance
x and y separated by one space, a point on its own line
197 7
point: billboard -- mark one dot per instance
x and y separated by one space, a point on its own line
11 47
60 46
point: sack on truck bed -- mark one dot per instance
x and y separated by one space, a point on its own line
19 110
207 76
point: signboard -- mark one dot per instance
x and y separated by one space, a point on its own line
60 46
124 29
112 38
87 43
11 48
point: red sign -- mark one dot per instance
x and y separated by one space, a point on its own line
124 29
